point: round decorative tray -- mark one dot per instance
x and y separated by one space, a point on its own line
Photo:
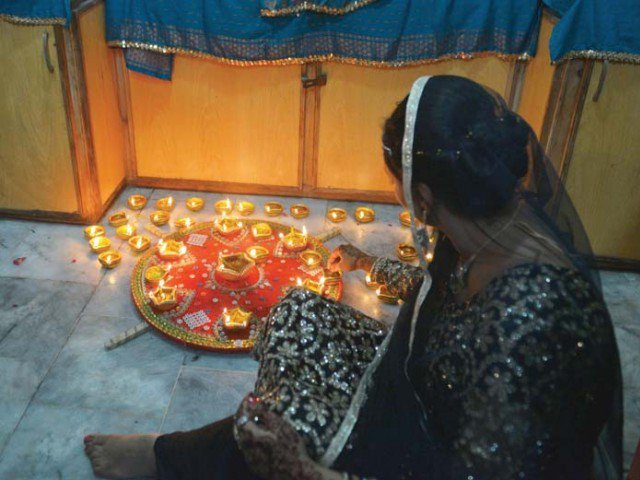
205 297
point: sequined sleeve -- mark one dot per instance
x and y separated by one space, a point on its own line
400 278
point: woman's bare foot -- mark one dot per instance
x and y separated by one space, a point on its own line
121 456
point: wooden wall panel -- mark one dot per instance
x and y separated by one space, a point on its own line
354 105
107 127
538 79
217 122
36 171
604 172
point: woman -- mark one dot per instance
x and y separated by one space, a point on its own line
502 363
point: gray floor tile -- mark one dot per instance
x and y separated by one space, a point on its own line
204 395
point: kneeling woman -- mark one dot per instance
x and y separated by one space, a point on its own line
501 364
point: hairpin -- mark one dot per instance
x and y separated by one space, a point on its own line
469 134
438 152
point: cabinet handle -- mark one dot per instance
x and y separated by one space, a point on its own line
45 51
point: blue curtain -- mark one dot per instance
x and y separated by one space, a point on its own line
384 32
45 12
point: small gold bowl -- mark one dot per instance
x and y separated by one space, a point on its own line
155 273
227 226
118 219
109 259
370 283
93 231
171 249
405 218
311 258
337 215
125 232
331 278
235 319
299 210
99 244
257 253
273 209
223 206
139 243
159 217
261 230
165 204
184 223
245 208
163 298
137 202
295 241
234 266
386 296
195 204
406 252
311 285
365 215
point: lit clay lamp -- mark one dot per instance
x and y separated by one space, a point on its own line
171 249
273 209
118 219
109 259
295 241
257 253
406 252
165 204
93 231
370 283
99 244
311 258
299 210
184 223
159 217
332 278
125 232
365 215
261 230
223 206
311 285
234 266
337 215
139 243
163 298
245 208
235 319
227 226
195 204
137 202
155 273
386 296
405 218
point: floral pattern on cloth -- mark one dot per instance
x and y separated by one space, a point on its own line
313 353
400 278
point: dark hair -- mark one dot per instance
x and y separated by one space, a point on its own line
469 148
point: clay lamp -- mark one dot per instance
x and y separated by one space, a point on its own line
195 204
185 223
245 208
139 243
365 215
299 210
311 285
406 252
257 253
155 273
118 219
331 278
99 244
386 296
311 258
159 217
370 283
137 202
235 319
405 218
227 226
93 231
273 209
109 259
223 206
295 241
125 232
234 266
171 249
165 204
261 230
337 215
163 298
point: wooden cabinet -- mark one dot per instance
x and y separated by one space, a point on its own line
62 138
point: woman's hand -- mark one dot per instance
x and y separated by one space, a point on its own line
348 258
271 447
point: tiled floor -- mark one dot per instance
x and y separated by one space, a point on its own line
58 307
